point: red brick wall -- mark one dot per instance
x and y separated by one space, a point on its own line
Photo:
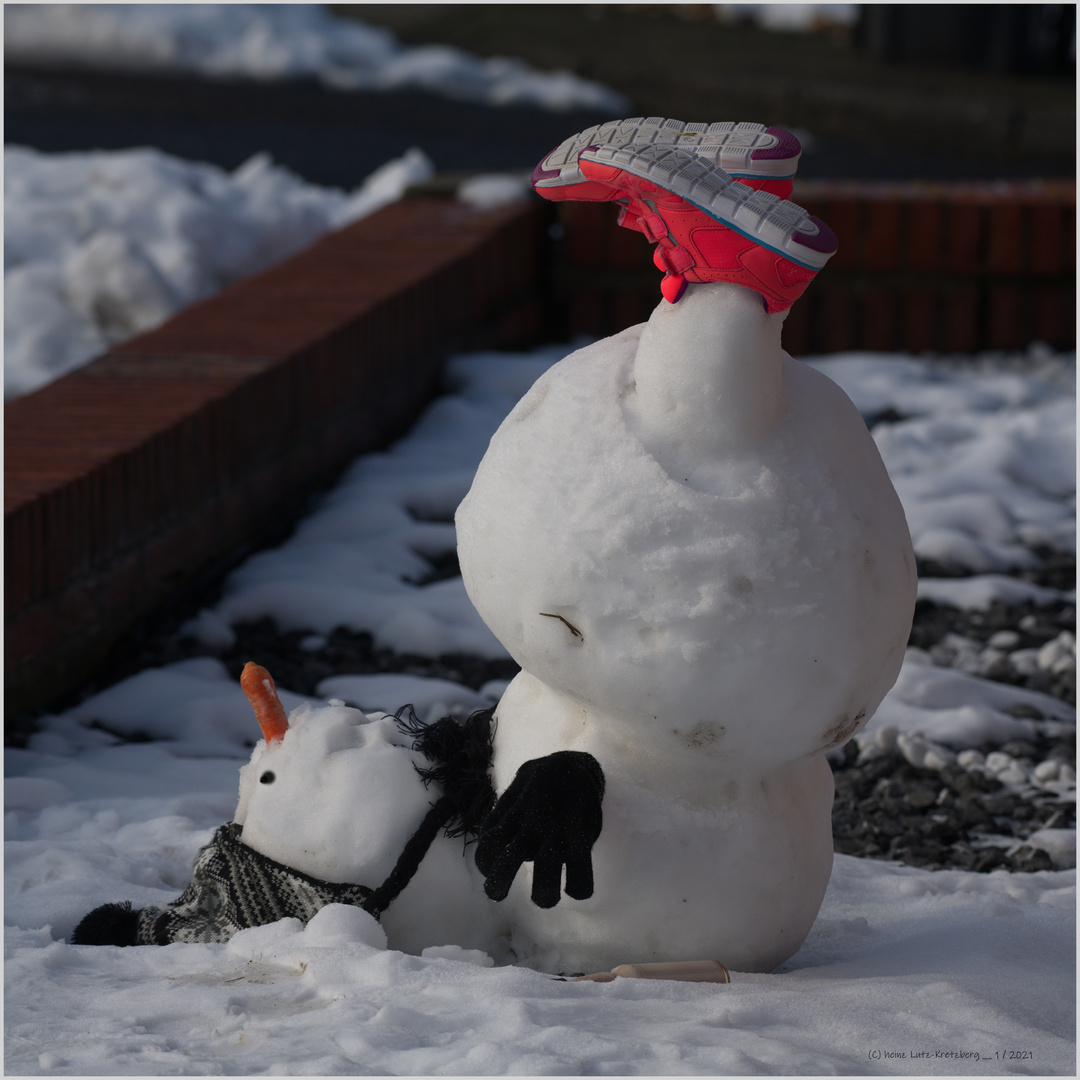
124 479
947 267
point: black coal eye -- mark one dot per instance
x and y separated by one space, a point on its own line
267 777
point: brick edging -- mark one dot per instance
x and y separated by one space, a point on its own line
946 267
124 479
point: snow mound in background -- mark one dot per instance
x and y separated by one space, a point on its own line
99 246
282 41
793 18
981 453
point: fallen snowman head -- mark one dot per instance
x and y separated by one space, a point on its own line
375 811
309 823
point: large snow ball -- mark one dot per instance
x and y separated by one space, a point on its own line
756 609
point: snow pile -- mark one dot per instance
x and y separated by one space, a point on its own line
489 191
282 41
99 246
953 707
983 455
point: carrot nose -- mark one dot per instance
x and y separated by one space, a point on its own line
258 687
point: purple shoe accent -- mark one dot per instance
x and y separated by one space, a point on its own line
540 173
824 240
787 147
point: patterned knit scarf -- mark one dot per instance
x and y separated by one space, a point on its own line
234 887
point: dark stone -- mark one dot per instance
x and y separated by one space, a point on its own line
1019 749
962 857
889 827
887 808
971 813
1065 687
1023 711
921 796
1029 859
1000 804
988 859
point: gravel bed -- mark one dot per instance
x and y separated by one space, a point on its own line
951 808
953 817
948 809
1022 644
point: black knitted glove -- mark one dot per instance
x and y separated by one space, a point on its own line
550 816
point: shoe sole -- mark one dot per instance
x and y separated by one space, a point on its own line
742 150
777 224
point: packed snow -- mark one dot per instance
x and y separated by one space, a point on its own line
907 972
99 246
904 972
282 41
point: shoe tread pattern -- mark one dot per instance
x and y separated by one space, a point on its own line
763 217
727 143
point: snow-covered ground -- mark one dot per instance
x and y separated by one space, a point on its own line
281 41
905 971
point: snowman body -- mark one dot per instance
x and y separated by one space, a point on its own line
691 546
337 798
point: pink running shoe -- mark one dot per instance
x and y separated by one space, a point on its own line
709 226
762 158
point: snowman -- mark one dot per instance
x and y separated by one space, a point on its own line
690 545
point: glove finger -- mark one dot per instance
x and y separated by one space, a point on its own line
547 879
510 838
499 869
496 886
579 877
